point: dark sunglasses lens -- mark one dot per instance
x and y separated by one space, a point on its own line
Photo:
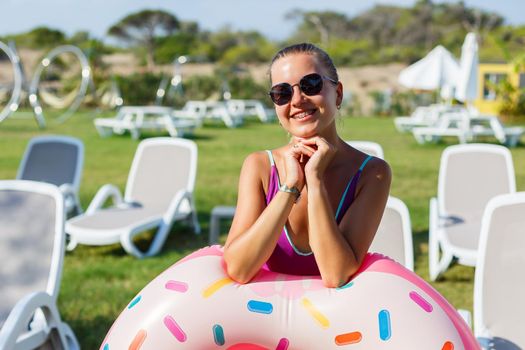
281 94
311 84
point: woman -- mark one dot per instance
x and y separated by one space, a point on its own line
313 205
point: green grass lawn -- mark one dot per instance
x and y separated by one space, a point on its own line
98 282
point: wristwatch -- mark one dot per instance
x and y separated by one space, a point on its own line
293 190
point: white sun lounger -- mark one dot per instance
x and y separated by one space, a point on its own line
217 110
250 107
159 191
32 253
58 160
499 285
469 176
467 127
394 235
135 119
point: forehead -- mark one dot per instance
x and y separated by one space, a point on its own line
293 67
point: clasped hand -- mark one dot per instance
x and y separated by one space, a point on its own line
306 161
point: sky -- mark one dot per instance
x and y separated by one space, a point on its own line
265 16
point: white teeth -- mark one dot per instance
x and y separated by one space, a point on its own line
302 115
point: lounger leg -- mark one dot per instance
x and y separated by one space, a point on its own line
195 222
131 248
135 133
436 265
214 230
433 255
104 131
72 243
71 339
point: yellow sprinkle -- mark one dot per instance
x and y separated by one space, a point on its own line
319 317
208 292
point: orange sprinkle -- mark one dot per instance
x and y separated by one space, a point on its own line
138 340
348 338
448 346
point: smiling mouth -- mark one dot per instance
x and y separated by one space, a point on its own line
303 115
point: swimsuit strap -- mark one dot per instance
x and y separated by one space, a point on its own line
274 181
348 195
270 156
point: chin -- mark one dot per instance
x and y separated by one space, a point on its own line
306 131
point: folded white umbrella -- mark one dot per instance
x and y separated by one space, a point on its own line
467 83
436 70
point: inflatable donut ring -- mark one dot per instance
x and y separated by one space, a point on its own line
195 305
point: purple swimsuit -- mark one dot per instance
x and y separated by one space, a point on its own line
286 258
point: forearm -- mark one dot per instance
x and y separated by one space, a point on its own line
246 254
334 255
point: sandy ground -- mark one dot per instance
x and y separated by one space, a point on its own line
357 81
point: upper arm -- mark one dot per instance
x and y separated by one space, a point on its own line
360 222
251 198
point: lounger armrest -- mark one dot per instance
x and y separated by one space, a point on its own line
176 202
67 190
70 197
19 318
433 215
102 196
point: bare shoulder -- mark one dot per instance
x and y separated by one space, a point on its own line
377 170
256 166
257 161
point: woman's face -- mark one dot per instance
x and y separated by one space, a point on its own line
306 116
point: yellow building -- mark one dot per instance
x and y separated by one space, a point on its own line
492 73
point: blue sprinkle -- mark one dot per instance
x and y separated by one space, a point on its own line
218 334
260 307
348 285
133 303
385 332
106 347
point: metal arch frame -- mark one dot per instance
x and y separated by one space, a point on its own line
44 63
175 82
14 101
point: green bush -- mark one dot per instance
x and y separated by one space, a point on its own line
139 89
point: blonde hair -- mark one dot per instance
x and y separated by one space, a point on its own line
310 49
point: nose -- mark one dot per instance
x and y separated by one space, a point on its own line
297 95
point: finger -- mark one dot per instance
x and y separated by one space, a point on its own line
309 147
308 151
320 143
295 152
313 142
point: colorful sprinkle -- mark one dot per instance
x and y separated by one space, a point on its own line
319 317
418 299
260 307
348 338
138 340
177 286
385 332
174 328
448 346
106 347
348 285
215 286
134 302
283 344
218 334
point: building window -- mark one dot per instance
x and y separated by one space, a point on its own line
490 80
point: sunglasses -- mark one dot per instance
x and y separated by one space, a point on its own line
310 85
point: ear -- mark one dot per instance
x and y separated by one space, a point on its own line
339 92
